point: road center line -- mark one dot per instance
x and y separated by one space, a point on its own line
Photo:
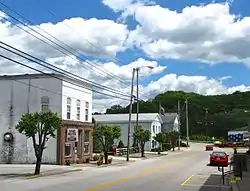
145 172
187 180
148 171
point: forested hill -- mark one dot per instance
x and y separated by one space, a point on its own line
211 115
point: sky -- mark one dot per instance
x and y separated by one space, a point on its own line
193 45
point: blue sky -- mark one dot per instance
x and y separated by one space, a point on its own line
45 11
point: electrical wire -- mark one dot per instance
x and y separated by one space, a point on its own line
48 65
14 11
54 76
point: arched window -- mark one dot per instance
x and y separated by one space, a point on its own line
45 104
78 109
68 107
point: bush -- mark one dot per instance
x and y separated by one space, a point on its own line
120 144
95 157
68 162
166 147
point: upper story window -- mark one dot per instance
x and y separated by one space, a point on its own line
68 107
86 111
45 104
78 109
153 129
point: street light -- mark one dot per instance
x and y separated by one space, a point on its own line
131 103
137 91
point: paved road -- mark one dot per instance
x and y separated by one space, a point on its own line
177 171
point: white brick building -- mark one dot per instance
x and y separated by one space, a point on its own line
19 94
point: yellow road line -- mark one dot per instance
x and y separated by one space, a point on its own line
187 180
148 171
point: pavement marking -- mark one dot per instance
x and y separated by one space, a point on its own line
145 172
187 180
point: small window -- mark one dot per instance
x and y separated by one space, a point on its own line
86 111
45 104
78 109
68 108
153 128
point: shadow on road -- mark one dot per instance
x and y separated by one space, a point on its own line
214 183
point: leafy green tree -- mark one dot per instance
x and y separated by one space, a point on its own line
160 138
39 127
173 136
120 144
142 136
106 134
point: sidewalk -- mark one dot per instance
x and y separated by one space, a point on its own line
27 171
243 185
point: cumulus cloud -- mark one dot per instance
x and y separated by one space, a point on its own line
206 33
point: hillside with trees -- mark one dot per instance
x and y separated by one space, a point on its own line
208 115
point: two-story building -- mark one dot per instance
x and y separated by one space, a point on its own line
70 98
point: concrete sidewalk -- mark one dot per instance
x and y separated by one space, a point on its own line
27 171
243 185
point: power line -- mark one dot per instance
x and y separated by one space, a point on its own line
51 75
48 65
57 93
14 11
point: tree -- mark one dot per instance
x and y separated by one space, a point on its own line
173 136
142 136
120 144
106 135
160 138
40 127
225 112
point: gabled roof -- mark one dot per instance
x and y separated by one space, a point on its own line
123 118
169 118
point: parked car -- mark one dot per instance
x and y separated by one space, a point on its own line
219 158
209 147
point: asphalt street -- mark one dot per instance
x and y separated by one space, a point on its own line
178 171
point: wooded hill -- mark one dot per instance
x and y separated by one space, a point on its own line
208 115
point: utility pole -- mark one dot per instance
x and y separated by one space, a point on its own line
187 123
206 121
137 97
179 121
130 113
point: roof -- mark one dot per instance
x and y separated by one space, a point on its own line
246 128
169 117
46 75
113 118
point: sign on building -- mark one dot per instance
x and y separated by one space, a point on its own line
72 135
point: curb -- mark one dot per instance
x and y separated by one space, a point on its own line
28 177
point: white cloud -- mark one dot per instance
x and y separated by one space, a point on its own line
207 33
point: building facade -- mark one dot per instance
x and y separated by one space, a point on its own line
71 99
149 121
170 122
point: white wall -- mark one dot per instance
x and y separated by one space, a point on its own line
155 129
76 92
50 87
146 125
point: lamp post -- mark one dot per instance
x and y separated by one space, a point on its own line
137 91
130 113
131 103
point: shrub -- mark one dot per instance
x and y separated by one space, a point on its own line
120 144
68 162
166 146
95 157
